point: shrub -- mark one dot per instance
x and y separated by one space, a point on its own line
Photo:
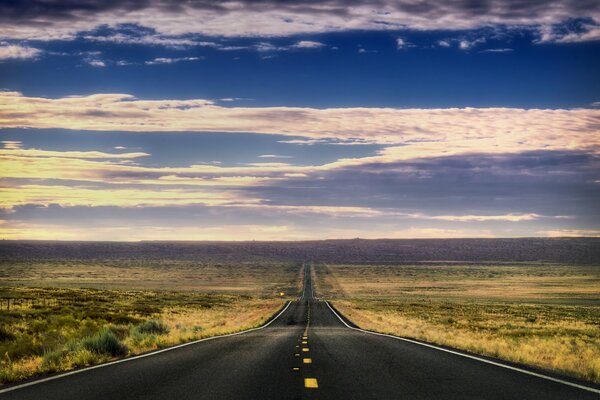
83 357
5 335
105 342
121 331
51 361
153 326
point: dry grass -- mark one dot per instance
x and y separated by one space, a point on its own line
562 283
251 278
542 315
49 330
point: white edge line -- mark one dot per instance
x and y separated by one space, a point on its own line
524 371
51 378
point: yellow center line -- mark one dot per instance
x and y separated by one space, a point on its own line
311 383
305 349
307 360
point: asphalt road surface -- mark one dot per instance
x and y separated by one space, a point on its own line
305 353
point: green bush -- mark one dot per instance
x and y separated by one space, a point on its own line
121 331
153 326
105 342
51 361
5 335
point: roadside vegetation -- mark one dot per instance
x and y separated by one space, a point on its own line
44 330
232 275
542 315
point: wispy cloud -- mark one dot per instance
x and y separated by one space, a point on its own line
402 43
307 44
499 50
96 63
572 33
408 133
12 144
18 52
273 156
14 149
167 60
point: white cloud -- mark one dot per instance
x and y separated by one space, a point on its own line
400 43
17 52
15 150
307 44
151 39
166 60
443 43
96 63
466 44
273 156
586 33
570 233
265 47
499 50
408 133
12 144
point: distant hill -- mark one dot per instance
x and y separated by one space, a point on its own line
562 250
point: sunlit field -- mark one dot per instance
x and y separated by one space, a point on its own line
545 315
234 277
60 315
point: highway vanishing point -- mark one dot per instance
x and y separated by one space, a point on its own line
307 351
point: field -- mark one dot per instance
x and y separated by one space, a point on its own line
57 315
545 315
48 330
242 277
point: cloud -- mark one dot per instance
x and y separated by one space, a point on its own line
570 233
499 50
466 44
578 31
18 52
453 196
12 144
70 195
14 149
443 43
96 63
273 156
408 133
60 19
166 60
265 47
402 43
307 44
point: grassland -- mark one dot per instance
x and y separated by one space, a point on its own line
545 315
236 277
55 329
56 315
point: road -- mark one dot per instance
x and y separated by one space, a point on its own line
306 353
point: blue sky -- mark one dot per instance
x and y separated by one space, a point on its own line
303 120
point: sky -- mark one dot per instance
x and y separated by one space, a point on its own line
296 120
